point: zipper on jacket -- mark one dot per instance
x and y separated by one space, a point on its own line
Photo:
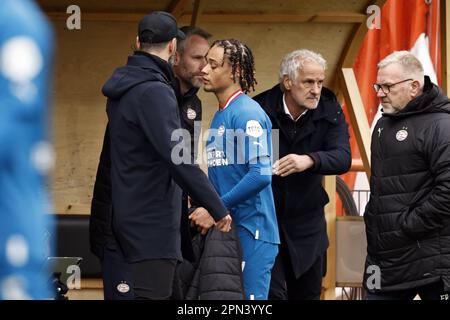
418 244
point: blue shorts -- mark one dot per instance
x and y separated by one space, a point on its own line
258 258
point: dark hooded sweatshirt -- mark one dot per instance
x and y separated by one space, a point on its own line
100 230
143 113
408 214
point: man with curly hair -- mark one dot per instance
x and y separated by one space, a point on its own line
239 160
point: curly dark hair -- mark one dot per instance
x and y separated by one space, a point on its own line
241 59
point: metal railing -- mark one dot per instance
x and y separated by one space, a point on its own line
361 198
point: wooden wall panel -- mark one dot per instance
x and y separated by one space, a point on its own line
84 60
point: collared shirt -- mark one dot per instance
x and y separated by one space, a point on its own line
286 110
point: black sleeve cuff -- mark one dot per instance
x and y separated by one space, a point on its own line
315 157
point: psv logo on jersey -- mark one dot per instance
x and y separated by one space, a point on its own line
221 130
401 135
191 114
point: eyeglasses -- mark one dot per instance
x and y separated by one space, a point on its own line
386 88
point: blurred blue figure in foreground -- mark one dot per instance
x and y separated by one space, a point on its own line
25 153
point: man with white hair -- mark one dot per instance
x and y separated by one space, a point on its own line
313 142
408 214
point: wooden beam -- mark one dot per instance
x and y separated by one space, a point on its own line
357 165
329 282
319 17
357 115
347 58
324 17
99 16
352 47
445 45
177 8
342 17
347 80
198 8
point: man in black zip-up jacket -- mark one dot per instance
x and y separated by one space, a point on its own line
146 200
408 214
188 64
313 142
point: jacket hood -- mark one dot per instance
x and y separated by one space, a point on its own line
432 100
141 67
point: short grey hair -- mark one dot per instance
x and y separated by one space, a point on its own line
190 31
294 61
411 66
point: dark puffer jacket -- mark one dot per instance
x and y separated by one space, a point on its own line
216 273
408 215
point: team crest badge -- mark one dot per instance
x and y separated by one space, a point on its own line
191 114
221 130
401 135
123 287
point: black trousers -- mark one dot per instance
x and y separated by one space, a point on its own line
153 279
118 276
285 286
433 291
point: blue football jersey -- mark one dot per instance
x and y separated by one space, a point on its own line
238 137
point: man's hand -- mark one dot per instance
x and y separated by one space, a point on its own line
201 218
292 163
224 224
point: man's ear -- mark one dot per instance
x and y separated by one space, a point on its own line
177 59
172 46
287 83
138 44
415 89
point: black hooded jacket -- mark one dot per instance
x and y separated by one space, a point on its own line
100 231
143 113
408 214
300 198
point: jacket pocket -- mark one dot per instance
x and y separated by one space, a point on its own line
394 240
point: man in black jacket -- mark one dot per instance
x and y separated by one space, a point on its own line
188 64
146 201
313 141
408 214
